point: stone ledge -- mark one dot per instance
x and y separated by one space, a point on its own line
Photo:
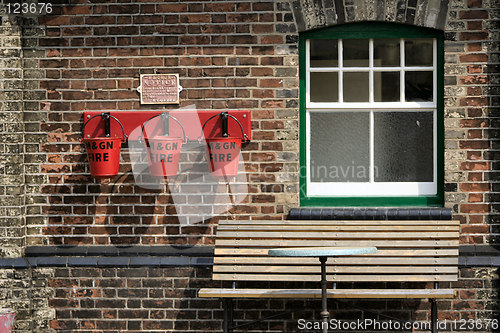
109 262
34 262
114 251
149 261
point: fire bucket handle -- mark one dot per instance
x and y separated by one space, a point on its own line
105 115
163 114
245 137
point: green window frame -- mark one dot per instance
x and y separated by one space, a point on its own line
369 31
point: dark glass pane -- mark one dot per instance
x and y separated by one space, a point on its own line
418 52
403 146
386 52
356 87
418 87
340 147
324 52
324 87
356 52
386 86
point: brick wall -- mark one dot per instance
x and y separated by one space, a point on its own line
472 119
230 55
11 139
162 299
235 55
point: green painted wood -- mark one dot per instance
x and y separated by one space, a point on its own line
363 30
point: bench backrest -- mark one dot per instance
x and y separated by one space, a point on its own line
407 250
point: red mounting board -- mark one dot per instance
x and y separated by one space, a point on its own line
191 120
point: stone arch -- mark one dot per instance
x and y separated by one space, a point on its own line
314 14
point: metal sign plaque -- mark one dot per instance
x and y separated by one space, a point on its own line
159 89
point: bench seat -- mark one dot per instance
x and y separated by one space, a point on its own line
331 293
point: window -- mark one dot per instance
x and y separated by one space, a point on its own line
371 116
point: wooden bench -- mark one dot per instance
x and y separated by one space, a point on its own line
420 252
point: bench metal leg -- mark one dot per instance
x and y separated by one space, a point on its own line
434 315
325 315
228 315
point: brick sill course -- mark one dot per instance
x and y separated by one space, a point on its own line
372 213
175 256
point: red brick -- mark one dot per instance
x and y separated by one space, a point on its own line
473 155
474 91
478 35
475 208
268 61
475 187
277 39
100 20
76 10
474 14
77 31
476 144
474 25
474 3
171 8
474 123
478 57
271 83
474 101
475 197
474 79
50 20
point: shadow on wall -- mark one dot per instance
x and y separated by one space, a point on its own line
135 208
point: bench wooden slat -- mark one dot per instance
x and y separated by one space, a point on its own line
331 293
338 222
268 243
335 235
357 228
381 252
340 277
299 269
337 261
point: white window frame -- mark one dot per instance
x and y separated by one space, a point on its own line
371 188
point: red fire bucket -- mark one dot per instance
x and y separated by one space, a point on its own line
104 156
6 320
223 156
163 155
164 151
103 153
223 152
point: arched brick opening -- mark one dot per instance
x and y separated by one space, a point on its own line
314 14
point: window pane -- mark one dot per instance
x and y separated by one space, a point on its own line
324 87
356 87
324 52
355 52
386 52
403 146
418 87
386 86
418 52
340 147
